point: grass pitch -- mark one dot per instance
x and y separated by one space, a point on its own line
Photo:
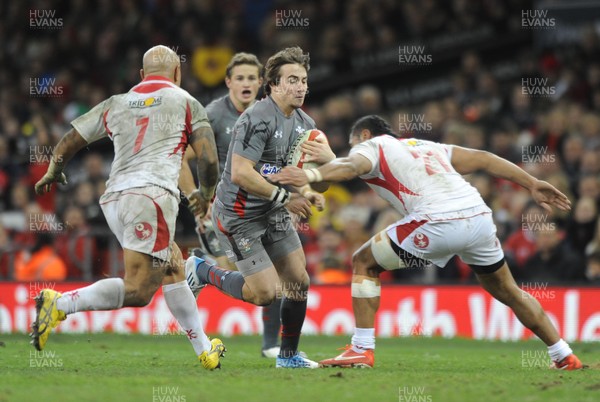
110 367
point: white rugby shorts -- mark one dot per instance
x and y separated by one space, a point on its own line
142 218
468 233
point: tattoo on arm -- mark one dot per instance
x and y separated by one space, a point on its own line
203 143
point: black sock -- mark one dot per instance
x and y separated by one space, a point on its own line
292 318
230 282
271 316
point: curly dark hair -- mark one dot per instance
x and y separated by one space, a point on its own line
377 125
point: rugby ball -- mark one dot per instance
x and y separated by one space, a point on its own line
295 154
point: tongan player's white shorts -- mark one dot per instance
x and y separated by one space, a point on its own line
142 218
469 233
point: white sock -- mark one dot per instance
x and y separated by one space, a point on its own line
363 338
181 302
559 351
106 294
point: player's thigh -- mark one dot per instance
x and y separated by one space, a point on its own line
419 242
389 251
242 240
141 271
483 252
263 284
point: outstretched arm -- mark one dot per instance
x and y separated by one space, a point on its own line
67 147
340 169
467 161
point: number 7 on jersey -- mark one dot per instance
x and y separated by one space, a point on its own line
140 137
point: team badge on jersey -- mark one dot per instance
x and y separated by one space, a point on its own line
421 240
143 230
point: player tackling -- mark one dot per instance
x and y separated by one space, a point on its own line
150 126
443 216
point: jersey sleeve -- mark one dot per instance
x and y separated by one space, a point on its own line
249 138
369 149
92 125
446 149
199 115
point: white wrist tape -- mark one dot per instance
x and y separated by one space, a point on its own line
313 175
280 195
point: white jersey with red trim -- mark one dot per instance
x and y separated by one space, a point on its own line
416 176
149 127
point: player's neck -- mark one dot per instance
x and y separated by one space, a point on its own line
287 110
239 106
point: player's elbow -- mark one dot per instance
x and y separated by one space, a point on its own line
238 175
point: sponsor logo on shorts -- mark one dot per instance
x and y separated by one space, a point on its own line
143 230
421 240
269 169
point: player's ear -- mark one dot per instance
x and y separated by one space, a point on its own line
142 73
228 82
177 75
365 134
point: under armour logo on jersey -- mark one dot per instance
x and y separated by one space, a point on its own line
299 129
228 130
278 134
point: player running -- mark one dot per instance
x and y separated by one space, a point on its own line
243 77
443 216
253 216
150 127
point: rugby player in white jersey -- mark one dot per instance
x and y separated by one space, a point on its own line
150 126
443 216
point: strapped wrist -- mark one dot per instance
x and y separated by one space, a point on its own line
313 175
280 195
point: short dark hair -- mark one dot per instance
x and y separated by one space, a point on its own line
377 125
290 55
241 58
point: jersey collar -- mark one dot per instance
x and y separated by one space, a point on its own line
157 78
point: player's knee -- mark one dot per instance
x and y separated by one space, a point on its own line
264 297
137 298
360 264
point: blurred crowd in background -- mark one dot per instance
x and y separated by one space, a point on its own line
97 50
